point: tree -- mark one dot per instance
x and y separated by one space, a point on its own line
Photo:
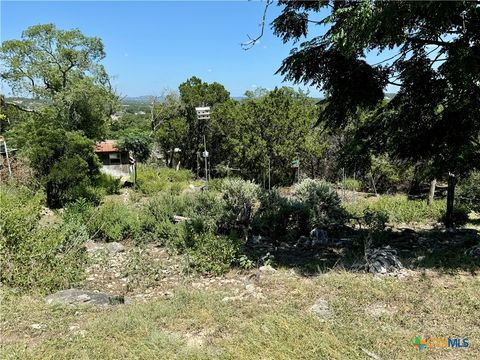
435 116
62 68
269 127
137 142
171 127
193 93
66 164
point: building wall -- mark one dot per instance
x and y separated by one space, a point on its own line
117 170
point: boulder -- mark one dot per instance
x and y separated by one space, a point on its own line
115 247
319 237
321 309
83 297
383 260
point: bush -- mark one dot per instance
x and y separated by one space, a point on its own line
114 221
241 202
375 222
212 253
321 201
46 257
468 192
351 184
66 164
152 179
400 209
109 183
280 218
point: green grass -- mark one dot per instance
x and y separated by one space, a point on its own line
400 209
197 324
153 179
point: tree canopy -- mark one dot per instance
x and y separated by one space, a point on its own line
436 65
62 68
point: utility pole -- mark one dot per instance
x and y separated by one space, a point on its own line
203 113
205 155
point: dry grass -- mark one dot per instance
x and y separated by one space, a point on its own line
377 315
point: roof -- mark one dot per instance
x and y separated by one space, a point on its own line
106 146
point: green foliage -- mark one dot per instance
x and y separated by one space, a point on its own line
33 255
375 222
152 179
275 128
241 201
66 163
110 184
63 68
79 212
136 142
322 203
280 218
468 193
351 184
399 208
114 221
388 175
212 253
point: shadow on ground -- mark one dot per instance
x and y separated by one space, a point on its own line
423 249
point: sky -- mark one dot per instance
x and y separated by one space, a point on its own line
154 46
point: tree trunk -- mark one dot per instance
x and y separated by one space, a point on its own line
431 194
450 200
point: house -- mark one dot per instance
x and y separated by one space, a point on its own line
114 162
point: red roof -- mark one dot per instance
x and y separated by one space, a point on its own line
106 146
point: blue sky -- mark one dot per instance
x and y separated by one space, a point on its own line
153 46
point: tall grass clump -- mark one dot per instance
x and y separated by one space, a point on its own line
400 209
153 179
114 220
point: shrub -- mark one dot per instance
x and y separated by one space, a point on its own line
321 201
66 164
241 201
78 212
110 183
162 208
46 257
375 222
280 218
208 204
212 253
152 179
351 184
468 192
400 209
171 235
114 221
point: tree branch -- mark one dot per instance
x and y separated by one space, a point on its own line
18 107
428 42
251 43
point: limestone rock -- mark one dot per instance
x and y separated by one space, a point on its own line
321 309
83 297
